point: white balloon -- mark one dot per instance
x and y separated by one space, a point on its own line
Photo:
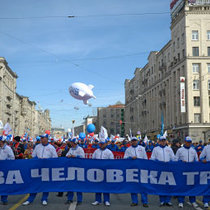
81 91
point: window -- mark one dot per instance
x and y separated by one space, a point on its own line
183 53
195 51
195 84
182 39
194 35
196 67
208 51
197 118
208 35
196 101
208 84
208 67
177 43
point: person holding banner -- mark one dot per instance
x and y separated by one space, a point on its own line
75 152
42 151
134 152
205 157
102 153
187 154
6 153
163 153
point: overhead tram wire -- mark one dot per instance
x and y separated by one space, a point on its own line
83 16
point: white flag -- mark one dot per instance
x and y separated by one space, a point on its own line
131 134
1 125
103 134
7 128
165 134
146 139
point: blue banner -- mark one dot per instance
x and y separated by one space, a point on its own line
113 176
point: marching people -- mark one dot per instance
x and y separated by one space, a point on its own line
112 146
187 154
75 152
6 153
42 151
95 144
134 152
28 152
175 145
205 157
199 147
102 153
165 154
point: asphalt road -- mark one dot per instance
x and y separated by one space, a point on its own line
118 201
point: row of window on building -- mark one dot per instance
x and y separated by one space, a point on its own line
195 35
195 51
197 101
197 66
196 84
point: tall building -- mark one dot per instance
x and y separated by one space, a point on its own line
175 83
112 118
18 110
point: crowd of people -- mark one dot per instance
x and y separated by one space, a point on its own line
133 148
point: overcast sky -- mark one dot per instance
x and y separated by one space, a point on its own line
101 46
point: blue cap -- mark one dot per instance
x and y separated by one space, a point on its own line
112 140
188 139
200 141
134 139
162 138
74 140
103 141
44 136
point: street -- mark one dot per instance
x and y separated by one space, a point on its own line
118 201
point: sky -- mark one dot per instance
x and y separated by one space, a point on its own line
102 45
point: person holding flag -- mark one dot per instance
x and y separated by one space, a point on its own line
134 152
6 153
163 153
102 153
187 154
42 151
74 152
205 157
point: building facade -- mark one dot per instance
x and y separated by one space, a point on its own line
175 83
58 132
112 118
18 110
83 128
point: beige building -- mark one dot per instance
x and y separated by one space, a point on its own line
58 132
18 110
112 118
176 80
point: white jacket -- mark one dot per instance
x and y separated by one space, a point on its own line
205 154
138 152
6 153
42 151
103 154
77 152
165 154
187 155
